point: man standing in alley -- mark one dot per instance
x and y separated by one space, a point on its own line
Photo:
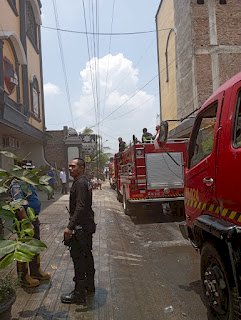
63 179
79 233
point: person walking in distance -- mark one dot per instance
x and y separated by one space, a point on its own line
63 180
78 234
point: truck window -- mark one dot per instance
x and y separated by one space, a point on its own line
237 124
202 144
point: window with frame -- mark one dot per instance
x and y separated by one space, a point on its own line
35 97
237 124
13 5
202 144
31 25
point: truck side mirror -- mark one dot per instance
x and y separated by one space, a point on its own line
163 131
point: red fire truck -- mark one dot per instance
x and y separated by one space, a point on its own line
213 200
149 173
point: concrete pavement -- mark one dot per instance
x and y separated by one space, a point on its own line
144 269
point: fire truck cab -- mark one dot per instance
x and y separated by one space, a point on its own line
149 173
212 198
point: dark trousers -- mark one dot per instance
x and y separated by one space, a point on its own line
64 188
36 227
81 254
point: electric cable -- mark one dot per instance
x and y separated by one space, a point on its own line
106 33
63 63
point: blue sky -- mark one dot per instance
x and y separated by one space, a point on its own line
122 65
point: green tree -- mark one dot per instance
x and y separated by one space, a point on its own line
87 131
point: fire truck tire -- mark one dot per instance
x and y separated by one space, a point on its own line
119 197
220 295
126 205
177 207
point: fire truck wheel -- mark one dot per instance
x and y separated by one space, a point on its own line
126 204
221 297
119 197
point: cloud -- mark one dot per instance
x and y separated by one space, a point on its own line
123 107
51 89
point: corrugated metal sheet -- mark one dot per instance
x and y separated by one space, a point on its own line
163 172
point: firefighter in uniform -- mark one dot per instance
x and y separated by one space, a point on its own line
78 234
122 144
146 136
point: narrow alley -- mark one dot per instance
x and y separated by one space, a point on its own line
144 268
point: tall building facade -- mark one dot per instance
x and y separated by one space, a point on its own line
22 119
199 48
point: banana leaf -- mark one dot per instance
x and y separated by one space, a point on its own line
8 154
6 214
31 214
6 247
7 260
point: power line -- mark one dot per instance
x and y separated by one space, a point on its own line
108 61
63 62
126 101
124 114
91 72
106 33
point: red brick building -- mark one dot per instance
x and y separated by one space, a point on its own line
206 37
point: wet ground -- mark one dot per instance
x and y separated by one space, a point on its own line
144 268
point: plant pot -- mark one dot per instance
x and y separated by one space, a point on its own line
6 307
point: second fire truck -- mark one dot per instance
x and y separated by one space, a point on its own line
148 173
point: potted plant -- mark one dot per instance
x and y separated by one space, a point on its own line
20 244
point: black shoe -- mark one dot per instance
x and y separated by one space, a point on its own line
73 297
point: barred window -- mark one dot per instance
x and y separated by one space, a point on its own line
35 102
31 25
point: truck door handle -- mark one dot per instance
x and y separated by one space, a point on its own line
208 181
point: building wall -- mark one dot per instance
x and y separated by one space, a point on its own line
229 23
208 52
16 118
218 57
34 70
8 52
55 150
166 43
186 85
9 20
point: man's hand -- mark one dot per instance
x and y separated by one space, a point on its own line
68 233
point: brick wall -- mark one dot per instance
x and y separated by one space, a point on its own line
229 22
184 57
208 49
203 77
200 23
230 64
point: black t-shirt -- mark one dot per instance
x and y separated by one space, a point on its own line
80 203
